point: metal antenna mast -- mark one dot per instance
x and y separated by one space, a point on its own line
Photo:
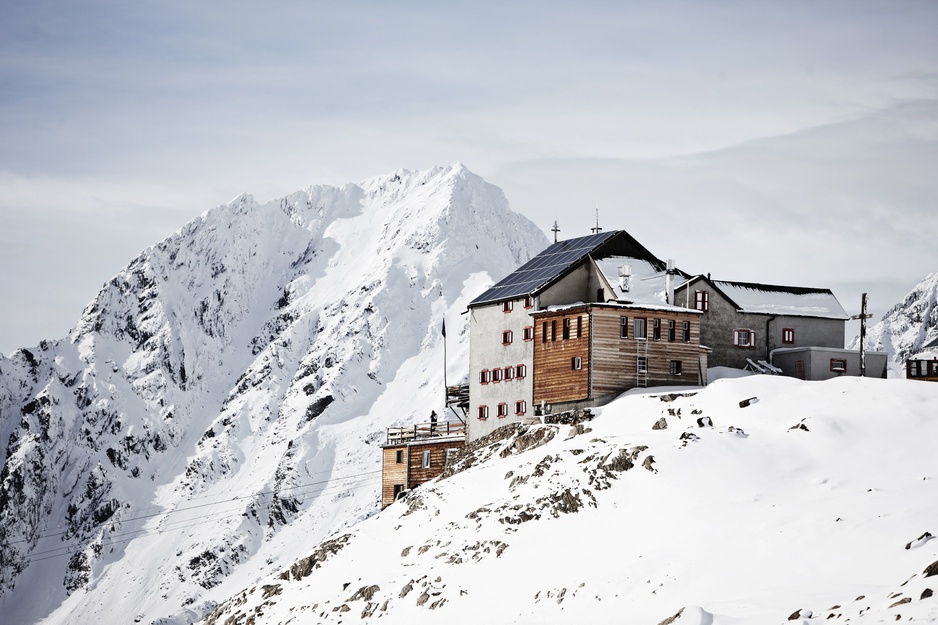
597 229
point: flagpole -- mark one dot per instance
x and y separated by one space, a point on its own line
445 386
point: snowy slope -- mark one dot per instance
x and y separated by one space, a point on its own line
218 406
815 501
903 330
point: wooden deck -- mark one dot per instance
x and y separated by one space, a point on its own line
425 432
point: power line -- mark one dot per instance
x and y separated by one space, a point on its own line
143 533
212 503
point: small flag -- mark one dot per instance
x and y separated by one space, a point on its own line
444 328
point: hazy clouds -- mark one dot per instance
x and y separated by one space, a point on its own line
805 129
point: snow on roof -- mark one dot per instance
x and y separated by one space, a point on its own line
782 300
648 284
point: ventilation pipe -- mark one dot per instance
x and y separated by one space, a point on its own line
669 281
625 278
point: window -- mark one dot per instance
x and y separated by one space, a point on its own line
521 407
566 328
914 369
702 300
425 461
508 306
838 365
398 491
579 327
502 410
509 373
399 456
496 375
744 338
671 330
485 376
788 336
520 371
544 332
553 330
640 327
643 364
656 329
506 337
685 331
600 295
576 363
528 301
483 412
675 367
623 327
528 333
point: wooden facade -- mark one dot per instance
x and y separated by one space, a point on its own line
409 461
618 347
917 368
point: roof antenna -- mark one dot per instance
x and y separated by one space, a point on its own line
555 230
597 229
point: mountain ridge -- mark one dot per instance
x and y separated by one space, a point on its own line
234 353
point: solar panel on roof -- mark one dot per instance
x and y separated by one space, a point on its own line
544 267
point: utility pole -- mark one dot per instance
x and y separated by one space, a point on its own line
862 317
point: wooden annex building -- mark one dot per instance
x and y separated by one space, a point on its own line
924 365
412 455
592 352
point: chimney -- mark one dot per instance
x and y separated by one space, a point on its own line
669 282
625 278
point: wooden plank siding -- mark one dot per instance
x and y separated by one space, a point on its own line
609 362
397 473
615 360
555 380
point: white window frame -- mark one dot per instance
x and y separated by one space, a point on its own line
576 363
642 364
702 300
425 460
744 338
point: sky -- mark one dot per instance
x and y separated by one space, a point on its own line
779 142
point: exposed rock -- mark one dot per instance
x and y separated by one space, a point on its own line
918 542
671 619
660 424
931 569
649 461
748 402
798 614
704 422
365 592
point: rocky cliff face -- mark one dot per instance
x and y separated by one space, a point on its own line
224 395
910 324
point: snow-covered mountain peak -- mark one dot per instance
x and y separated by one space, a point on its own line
903 330
260 350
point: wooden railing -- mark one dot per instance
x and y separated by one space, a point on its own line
424 431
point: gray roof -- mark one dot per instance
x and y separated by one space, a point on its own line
553 262
559 259
773 299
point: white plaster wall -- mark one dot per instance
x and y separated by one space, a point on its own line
486 324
